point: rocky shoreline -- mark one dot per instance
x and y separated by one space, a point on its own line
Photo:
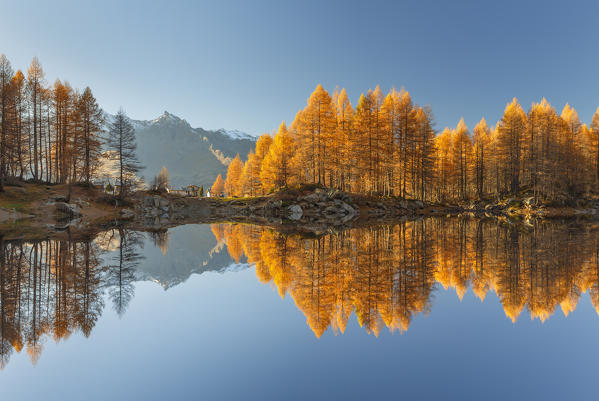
321 208
312 209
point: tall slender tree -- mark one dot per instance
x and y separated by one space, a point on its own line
6 94
121 140
91 118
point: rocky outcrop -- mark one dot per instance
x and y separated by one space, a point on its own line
321 206
317 207
69 210
155 210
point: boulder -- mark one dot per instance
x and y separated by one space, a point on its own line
68 209
311 198
127 214
57 198
272 205
348 209
295 212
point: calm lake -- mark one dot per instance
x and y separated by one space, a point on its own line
452 309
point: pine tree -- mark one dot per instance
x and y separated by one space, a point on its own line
121 140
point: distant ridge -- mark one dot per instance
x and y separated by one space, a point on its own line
191 155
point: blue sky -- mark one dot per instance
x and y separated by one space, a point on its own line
250 64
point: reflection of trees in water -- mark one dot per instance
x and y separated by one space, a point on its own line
120 273
160 239
387 274
53 288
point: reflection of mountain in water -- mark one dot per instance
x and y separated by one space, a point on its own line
50 289
192 249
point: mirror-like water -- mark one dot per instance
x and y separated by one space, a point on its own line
434 308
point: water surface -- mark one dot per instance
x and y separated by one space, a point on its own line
430 309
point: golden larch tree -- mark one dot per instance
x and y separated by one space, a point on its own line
314 127
233 181
277 167
480 153
511 130
218 188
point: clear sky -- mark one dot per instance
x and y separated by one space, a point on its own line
250 64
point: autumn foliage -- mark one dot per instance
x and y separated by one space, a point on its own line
48 132
387 145
386 275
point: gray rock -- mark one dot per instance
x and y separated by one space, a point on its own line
127 214
275 204
330 210
68 209
295 212
311 198
57 198
348 209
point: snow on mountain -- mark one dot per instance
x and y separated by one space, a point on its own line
235 134
191 155
192 249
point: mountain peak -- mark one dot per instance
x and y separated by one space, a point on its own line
167 117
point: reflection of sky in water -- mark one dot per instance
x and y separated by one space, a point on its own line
226 336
